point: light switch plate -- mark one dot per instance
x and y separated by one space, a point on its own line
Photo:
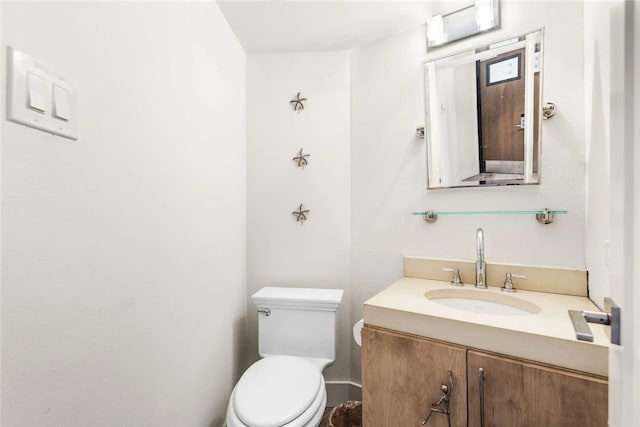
23 108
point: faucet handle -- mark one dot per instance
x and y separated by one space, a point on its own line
455 281
508 284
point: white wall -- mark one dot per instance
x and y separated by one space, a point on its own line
598 75
612 52
280 250
123 254
388 167
464 128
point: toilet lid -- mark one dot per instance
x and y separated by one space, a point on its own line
276 390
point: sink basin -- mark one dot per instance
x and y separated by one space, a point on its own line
482 301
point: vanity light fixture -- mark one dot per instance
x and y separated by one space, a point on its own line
478 17
435 31
484 14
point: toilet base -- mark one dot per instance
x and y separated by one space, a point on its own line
233 421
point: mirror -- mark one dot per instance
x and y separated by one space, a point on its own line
484 112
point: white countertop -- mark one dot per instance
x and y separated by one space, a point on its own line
547 336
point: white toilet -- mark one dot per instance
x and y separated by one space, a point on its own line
296 340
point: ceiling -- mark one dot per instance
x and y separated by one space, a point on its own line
299 25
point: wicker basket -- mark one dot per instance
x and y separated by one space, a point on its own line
346 414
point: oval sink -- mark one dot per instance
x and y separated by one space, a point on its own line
482 301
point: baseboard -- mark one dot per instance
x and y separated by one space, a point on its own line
341 391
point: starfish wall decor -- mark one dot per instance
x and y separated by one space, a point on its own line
301 159
301 214
298 102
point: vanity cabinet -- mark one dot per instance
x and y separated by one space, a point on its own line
518 393
402 375
401 378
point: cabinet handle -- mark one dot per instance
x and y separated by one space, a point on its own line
444 401
481 389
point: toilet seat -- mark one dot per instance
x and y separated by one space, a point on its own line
278 391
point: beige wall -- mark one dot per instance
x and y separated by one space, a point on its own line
598 88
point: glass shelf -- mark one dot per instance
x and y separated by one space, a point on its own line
544 216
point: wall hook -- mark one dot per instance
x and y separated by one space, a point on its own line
298 102
301 214
420 131
301 159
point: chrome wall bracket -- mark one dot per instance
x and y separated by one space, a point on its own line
430 217
545 217
548 110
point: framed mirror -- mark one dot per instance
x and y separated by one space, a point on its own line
483 114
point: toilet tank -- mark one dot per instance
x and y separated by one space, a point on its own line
297 321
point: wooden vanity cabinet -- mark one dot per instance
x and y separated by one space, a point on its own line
401 378
402 375
524 394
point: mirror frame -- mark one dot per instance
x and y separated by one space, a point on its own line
533 150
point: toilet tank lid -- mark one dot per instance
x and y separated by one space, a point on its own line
272 296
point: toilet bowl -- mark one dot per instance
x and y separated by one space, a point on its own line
285 391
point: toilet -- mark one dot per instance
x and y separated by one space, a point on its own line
297 340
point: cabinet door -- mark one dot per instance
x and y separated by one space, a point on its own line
401 378
524 394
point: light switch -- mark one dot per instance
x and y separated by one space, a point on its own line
40 96
61 100
36 93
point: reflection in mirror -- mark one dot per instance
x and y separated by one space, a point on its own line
483 115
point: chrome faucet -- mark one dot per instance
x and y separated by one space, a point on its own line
481 266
